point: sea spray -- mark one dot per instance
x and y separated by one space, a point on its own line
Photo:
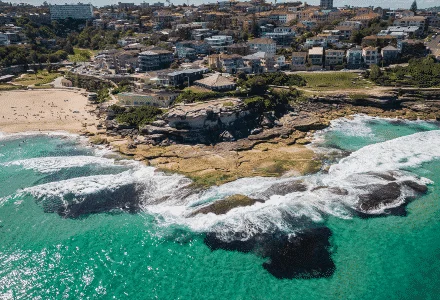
124 255
169 195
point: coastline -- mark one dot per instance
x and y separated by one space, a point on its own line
270 155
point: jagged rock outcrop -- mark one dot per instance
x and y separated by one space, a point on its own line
207 115
221 207
285 188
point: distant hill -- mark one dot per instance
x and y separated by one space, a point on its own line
435 8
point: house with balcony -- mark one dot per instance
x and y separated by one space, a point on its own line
370 56
280 61
199 47
252 64
219 42
229 63
299 61
126 61
390 54
186 52
354 58
346 31
316 41
316 56
266 45
281 35
334 57
419 21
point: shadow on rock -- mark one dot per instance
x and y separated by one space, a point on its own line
304 255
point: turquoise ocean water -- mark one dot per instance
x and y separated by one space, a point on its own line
154 253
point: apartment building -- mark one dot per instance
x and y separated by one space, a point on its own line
219 42
390 54
299 61
263 45
154 60
326 4
354 58
74 11
370 56
334 57
181 77
316 41
281 35
316 56
418 21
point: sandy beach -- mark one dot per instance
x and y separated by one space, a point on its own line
45 110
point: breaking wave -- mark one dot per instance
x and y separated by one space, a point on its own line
371 181
54 164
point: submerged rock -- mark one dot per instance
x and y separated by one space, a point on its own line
285 188
392 197
379 195
419 188
303 255
221 207
125 198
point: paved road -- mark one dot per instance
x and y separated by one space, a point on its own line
434 44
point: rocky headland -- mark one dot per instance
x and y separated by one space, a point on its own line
223 140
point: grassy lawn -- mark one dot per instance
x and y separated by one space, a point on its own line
197 89
10 87
81 55
42 77
329 81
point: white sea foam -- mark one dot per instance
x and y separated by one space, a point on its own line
400 153
163 195
7 136
57 163
356 125
353 175
157 185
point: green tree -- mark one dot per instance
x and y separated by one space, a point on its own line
414 7
375 73
257 85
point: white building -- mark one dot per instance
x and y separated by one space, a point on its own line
316 41
370 56
263 45
158 99
280 61
4 40
418 21
217 41
74 11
